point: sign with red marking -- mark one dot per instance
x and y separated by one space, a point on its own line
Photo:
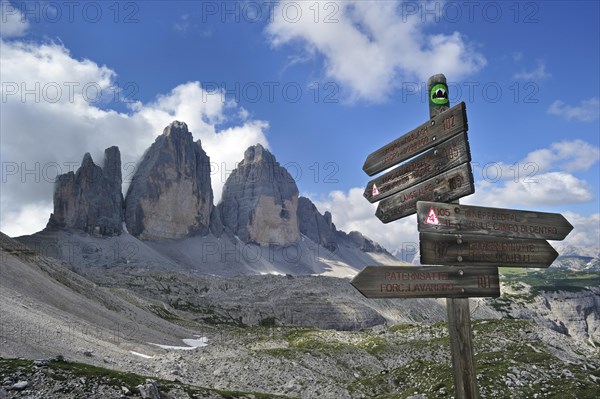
485 221
441 158
375 191
432 217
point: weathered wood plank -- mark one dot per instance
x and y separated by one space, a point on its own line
461 347
466 219
464 249
429 134
439 159
427 282
448 186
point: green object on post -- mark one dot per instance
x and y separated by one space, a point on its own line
438 95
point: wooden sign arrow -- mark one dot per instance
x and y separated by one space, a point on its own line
429 134
463 249
448 186
439 159
427 282
450 218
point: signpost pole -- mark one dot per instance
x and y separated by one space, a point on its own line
459 314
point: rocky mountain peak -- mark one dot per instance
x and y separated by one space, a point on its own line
87 161
257 153
176 128
170 195
90 199
260 200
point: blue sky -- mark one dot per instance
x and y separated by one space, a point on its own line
322 84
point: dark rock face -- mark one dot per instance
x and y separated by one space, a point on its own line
320 229
90 199
170 195
260 200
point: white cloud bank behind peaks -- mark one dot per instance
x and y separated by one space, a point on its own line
370 47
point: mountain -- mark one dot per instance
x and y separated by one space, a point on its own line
90 200
168 220
260 200
170 195
157 334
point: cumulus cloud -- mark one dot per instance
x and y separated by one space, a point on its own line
543 177
371 46
49 121
12 22
586 231
547 189
587 111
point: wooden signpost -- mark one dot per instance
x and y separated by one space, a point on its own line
442 158
465 250
427 282
447 186
470 242
424 137
452 218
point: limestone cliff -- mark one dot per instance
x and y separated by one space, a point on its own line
170 195
260 200
90 199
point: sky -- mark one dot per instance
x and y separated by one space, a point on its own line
320 83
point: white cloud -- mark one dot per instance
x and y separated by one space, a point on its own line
587 111
12 22
41 136
565 156
351 211
586 231
536 74
370 46
548 189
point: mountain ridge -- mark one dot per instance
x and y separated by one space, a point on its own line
261 225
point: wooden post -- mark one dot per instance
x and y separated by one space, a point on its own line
459 314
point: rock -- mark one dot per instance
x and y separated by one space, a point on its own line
41 363
170 195
19 386
3 394
88 353
125 391
90 199
260 200
149 390
320 229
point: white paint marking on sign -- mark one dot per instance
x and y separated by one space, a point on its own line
375 191
432 217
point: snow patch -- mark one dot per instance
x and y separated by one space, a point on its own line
192 343
142 355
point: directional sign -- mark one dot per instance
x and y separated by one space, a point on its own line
439 159
491 221
464 249
429 134
448 186
427 282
